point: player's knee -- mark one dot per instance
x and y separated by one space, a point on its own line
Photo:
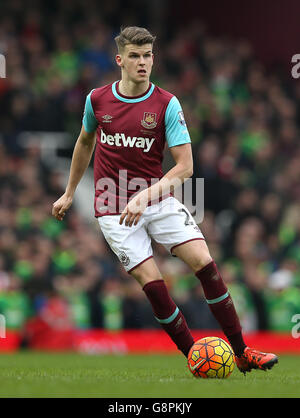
200 261
144 277
143 280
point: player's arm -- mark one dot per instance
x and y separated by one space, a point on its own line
81 158
179 142
182 170
183 157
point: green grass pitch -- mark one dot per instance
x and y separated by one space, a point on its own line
34 374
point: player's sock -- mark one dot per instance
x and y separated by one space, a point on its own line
221 305
168 315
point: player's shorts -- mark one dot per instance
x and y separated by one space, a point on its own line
168 222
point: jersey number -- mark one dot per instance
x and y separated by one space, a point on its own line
188 220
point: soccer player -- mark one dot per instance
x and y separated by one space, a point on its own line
130 121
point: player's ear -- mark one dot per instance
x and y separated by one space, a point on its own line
119 60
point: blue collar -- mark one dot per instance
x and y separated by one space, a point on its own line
131 100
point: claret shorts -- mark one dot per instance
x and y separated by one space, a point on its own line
168 222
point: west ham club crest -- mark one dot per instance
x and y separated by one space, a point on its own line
149 120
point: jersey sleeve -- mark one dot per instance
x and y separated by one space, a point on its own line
89 120
176 129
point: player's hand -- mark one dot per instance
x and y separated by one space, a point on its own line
60 207
134 210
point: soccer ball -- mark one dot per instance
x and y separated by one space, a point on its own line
211 357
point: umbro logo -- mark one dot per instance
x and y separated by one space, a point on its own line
107 118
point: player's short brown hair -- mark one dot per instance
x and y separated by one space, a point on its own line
133 35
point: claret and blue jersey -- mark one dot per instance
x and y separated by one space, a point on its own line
131 137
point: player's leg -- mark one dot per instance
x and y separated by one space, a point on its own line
164 308
176 229
132 245
196 255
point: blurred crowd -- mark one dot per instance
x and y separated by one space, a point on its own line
244 124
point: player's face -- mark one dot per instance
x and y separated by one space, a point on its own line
136 62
